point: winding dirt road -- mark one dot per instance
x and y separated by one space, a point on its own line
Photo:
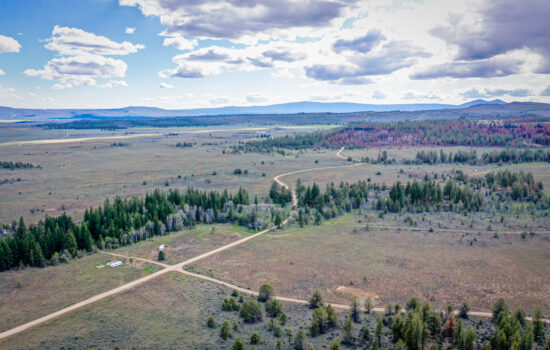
179 268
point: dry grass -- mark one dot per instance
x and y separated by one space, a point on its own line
395 264
31 293
180 246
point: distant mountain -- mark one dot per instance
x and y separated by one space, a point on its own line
481 102
282 108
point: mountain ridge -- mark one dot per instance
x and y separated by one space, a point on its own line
281 108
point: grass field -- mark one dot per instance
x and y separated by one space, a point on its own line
31 293
187 243
75 176
166 313
342 258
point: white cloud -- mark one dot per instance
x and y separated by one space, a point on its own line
8 93
2 72
83 59
62 86
249 20
80 70
283 73
180 42
8 44
74 41
130 30
164 85
113 83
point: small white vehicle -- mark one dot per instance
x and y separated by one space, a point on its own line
115 263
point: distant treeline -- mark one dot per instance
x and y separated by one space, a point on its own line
114 123
296 142
499 156
17 165
126 221
457 132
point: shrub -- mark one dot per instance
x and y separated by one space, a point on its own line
211 322
255 338
238 345
273 308
265 293
251 312
225 331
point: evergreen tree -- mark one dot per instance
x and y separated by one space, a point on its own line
226 331
239 344
348 337
316 299
355 312
161 256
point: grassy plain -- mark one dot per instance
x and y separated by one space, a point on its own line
32 293
187 243
394 260
75 176
169 312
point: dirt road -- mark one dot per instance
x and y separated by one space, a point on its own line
167 268
291 188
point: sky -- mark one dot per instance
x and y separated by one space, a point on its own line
178 54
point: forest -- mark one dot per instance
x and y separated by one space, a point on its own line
127 221
456 132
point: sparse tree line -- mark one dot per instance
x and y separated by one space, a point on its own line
314 206
463 193
17 165
470 157
415 326
458 192
127 221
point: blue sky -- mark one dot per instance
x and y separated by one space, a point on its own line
187 54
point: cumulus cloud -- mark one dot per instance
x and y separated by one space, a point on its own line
180 42
494 67
130 30
234 19
83 59
80 70
284 54
391 57
214 60
361 44
74 41
8 44
485 93
498 27
2 72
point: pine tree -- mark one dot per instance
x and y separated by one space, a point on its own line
70 243
348 337
355 312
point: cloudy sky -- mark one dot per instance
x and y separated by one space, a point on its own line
193 53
